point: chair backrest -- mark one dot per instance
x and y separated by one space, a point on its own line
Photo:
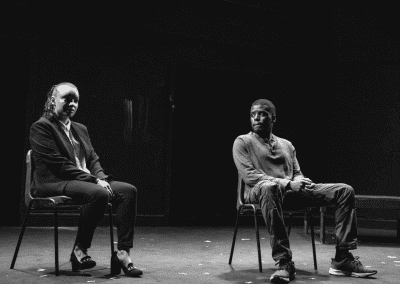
240 191
28 177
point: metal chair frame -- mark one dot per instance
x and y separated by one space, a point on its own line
256 211
54 203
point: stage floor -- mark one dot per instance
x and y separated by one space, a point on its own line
187 255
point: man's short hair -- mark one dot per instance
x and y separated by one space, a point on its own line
267 103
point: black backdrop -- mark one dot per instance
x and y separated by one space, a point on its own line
191 72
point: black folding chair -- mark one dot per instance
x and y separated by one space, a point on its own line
54 203
244 209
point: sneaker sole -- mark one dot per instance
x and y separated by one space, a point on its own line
337 272
280 280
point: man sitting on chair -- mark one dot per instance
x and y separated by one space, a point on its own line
270 170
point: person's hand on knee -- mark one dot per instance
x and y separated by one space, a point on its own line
106 185
302 184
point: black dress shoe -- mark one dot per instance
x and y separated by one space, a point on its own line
85 263
116 266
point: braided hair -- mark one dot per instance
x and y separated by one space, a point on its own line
48 110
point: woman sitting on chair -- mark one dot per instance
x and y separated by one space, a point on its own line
66 164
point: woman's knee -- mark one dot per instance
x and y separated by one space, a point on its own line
131 192
100 195
128 191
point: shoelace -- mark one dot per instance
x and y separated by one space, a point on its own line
356 261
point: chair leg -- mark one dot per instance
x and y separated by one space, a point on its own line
258 241
306 225
290 224
322 224
111 229
234 235
312 239
21 234
56 238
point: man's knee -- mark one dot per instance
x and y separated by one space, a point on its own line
348 194
134 190
349 190
269 190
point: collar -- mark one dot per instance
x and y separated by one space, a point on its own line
268 141
65 126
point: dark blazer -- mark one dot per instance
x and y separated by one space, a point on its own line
54 160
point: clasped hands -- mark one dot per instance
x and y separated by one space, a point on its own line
302 183
106 185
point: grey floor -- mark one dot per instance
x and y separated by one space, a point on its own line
188 255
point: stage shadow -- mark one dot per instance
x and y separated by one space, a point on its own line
70 273
98 275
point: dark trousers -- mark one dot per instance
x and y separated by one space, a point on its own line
96 199
272 202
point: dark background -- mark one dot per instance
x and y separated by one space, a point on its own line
191 72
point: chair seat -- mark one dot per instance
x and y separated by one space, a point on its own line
58 199
62 202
